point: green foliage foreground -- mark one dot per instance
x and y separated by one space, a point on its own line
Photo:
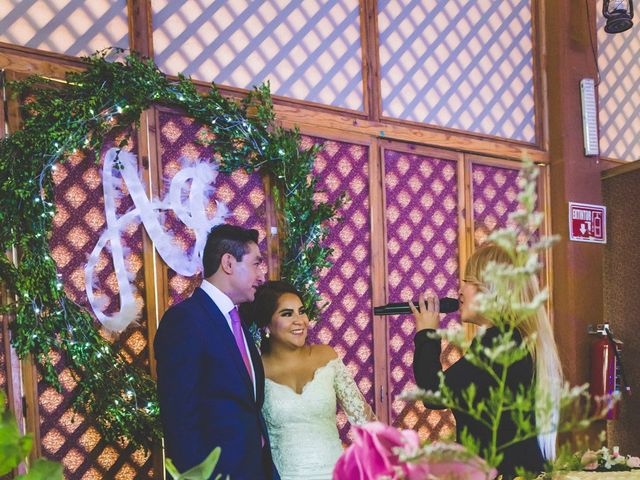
15 447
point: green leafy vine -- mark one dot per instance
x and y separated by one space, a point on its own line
107 98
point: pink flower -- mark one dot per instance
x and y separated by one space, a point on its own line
633 462
371 454
379 450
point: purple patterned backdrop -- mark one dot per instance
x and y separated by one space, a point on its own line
346 323
66 436
494 192
242 193
422 253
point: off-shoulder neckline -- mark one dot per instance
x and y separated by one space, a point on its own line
304 387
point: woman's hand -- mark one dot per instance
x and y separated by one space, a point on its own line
429 314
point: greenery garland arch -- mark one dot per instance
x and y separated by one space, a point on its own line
108 97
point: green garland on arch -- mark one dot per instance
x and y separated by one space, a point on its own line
108 97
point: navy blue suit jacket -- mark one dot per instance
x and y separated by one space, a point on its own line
206 395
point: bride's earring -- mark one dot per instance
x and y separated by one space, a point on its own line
267 333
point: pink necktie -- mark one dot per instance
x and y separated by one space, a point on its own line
239 336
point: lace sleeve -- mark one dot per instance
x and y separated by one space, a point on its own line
351 400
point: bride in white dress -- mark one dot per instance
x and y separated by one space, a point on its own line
303 384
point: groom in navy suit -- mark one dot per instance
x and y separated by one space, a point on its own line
210 376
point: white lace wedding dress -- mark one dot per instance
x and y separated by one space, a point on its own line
302 427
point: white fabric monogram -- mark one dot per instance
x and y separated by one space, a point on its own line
189 194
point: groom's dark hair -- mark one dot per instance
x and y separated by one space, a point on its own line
225 238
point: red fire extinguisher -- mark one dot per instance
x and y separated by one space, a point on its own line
607 374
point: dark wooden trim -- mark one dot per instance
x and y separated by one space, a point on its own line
615 161
469 229
140 26
149 163
493 162
28 365
419 135
147 159
458 132
330 134
369 37
156 177
311 129
3 105
577 266
539 84
32 412
379 288
6 319
420 150
544 200
620 169
273 229
32 61
30 66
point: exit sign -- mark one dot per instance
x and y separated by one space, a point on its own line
587 223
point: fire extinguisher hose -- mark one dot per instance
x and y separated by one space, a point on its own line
627 387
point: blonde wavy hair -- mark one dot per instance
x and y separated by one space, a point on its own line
548 375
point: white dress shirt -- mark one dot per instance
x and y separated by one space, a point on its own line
225 304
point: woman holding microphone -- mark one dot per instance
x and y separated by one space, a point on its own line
538 370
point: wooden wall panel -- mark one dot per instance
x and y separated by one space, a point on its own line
621 299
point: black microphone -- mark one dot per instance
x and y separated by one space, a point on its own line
447 305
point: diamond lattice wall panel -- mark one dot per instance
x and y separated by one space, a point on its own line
71 27
422 253
459 64
346 322
494 192
66 436
243 194
619 90
307 50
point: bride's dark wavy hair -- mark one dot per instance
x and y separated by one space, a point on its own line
265 302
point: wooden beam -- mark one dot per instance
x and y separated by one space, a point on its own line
620 169
369 38
577 266
467 232
140 27
150 167
423 135
273 230
28 368
539 80
30 62
379 293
